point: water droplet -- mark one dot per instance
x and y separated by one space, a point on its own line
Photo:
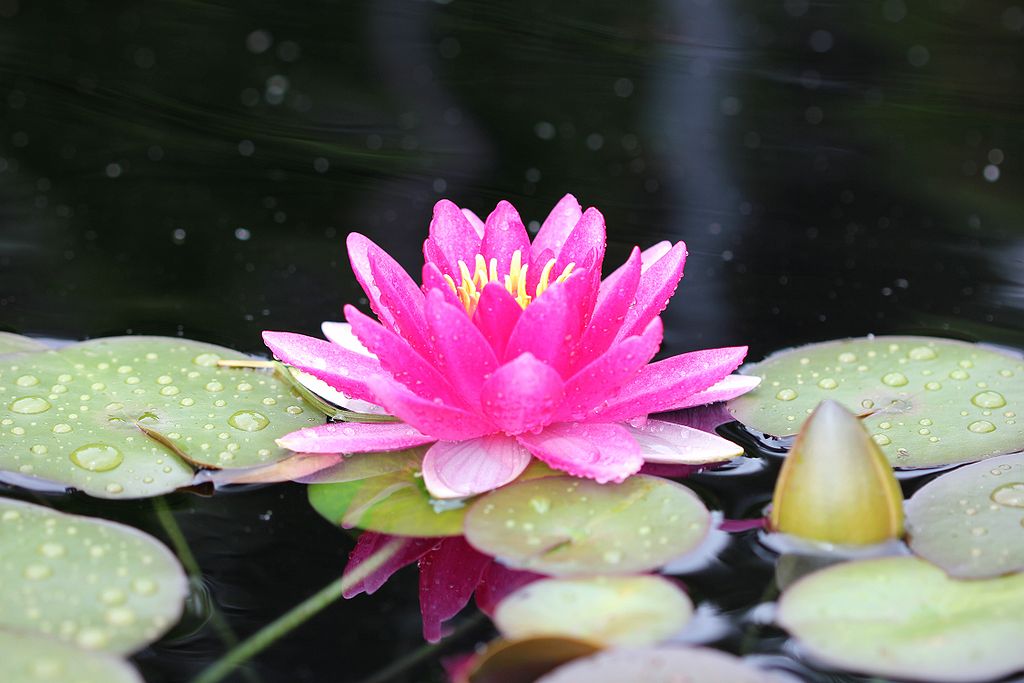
921 353
867 403
214 386
847 357
169 390
97 457
881 439
786 395
612 556
92 638
988 399
206 360
244 386
293 410
38 449
187 402
51 550
37 572
120 616
885 425
827 383
1010 495
115 488
248 420
98 386
959 375
113 596
540 504
164 379
895 379
966 364
981 427
30 405
268 401
27 381
144 586
932 386
61 428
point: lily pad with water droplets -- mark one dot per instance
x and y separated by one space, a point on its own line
658 665
93 583
30 659
15 343
926 401
970 521
125 417
566 526
611 610
905 618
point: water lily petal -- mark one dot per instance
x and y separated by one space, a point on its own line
341 334
452 239
522 395
430 417
671 384
603 452
503 235
653 254
587 237
730 387
474 220
353 437
433 279
614 298
465 468
550 327
340 368
496 316
449 573
410 550
555 229
657 284
333 396
667 442
461 353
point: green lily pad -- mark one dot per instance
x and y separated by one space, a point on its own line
905 618
610 610
566 526
970 521
125 417
926 401
30 659
15 343
658 665
97 584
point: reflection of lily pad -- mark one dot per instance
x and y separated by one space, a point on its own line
15 343
569 526
926 401
99 585
970 521
523 661
31 659
657 665
903 617
611 610
112 416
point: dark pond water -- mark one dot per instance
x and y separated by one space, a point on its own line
175 167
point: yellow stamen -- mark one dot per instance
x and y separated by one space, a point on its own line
485 273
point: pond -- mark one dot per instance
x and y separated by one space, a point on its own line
192 170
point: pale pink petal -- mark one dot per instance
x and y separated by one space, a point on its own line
296 466
599 380
353 437
496 316
452 237
341 369
550 327
670 384
402 361
557 226
430 417
408 551
333 396
465 468
730 387
657 284
474 220
497 583
522 395
614 299
603 452
667 442
653 254
461 353
505 234
449 573
342 335
433 279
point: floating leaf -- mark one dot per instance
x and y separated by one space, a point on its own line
903 617
15 343
568 526
30 659
658 665
970 521
123 417
97 584
926 401
610 610
522 661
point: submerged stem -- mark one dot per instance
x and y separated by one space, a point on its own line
296 616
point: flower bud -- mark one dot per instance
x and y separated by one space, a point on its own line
836 486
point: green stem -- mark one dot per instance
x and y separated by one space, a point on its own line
296 616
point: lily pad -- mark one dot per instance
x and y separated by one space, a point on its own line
566 526
97 584
926 401
31 659
658 665
970 521
903 617
15 343
610 610
523 661
125 417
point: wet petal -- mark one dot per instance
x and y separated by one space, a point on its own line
614 298
452 239
461 353
657 284
550 327
587 237
341 334
340 368
730 387
353 437
496 316
603 452
522 395
474 220
653 254
667 442
449 573
466 468
433 279
433 418
503 235
409 550
555 229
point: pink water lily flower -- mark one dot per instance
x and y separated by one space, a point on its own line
512 350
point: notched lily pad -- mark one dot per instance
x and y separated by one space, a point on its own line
658 665
566 526
93 583
970 521
926 401
30 659
905 618
124 417
611 610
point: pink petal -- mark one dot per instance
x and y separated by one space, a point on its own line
670 443
585 244
653 254
614 299
599 380
402 361
657 284
449 573
452 237
497 583
465 468
736 526
496 316
522 395
408 551
342 335
603 452
730 387
461 353
474 220
505 234
555 229
433 279
435 418
333 396
671 384
341 369
353 437
550 327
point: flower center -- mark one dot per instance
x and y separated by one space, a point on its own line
514 281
